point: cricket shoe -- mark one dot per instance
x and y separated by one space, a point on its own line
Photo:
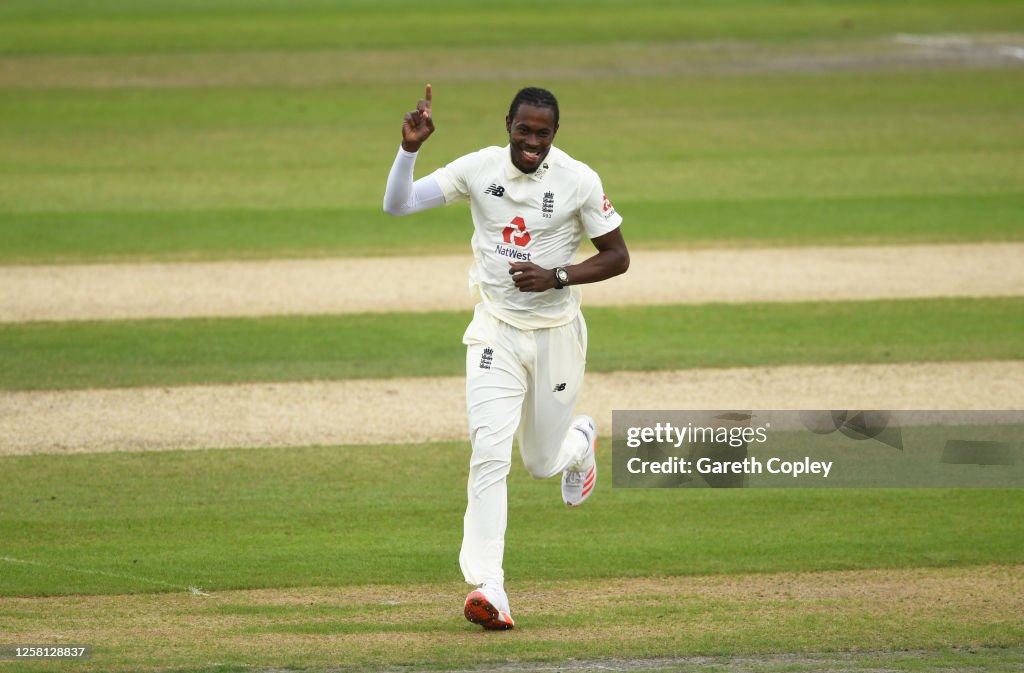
488 607
579 480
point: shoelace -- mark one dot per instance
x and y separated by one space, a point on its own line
574 477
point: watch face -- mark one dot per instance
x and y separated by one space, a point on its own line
563 276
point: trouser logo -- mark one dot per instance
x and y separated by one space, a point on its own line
487 358
559 388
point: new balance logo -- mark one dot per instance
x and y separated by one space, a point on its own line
495 190
559 388
487 358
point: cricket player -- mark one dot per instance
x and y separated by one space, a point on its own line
526 346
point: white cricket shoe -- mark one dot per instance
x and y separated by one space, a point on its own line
488 607
579 480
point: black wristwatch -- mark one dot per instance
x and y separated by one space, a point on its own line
561 277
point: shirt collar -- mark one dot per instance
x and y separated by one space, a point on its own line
513 173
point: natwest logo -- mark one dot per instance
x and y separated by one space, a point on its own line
509 235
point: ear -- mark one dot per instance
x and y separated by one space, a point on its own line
508 124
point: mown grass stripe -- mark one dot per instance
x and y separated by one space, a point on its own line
114 26
891 620
174 235
651 138
338 516
197 351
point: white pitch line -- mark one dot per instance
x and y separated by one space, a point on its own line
85 571
390 284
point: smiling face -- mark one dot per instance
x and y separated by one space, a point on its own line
530 135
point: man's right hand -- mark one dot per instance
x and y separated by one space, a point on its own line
417 125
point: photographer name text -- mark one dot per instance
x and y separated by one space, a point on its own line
750 465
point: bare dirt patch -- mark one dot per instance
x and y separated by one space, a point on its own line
628 623
427 409
334 286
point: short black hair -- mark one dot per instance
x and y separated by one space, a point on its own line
532 95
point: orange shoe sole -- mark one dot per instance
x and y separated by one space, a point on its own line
480 611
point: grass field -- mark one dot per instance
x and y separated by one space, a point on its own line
118 354
130 235
288 520
174 130
336 516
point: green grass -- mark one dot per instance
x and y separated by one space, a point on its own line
84 237
116 26
197 351
220 129
336 516
220 172
307 523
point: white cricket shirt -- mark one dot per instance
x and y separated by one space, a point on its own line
538 217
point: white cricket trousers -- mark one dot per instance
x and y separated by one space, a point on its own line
515 379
